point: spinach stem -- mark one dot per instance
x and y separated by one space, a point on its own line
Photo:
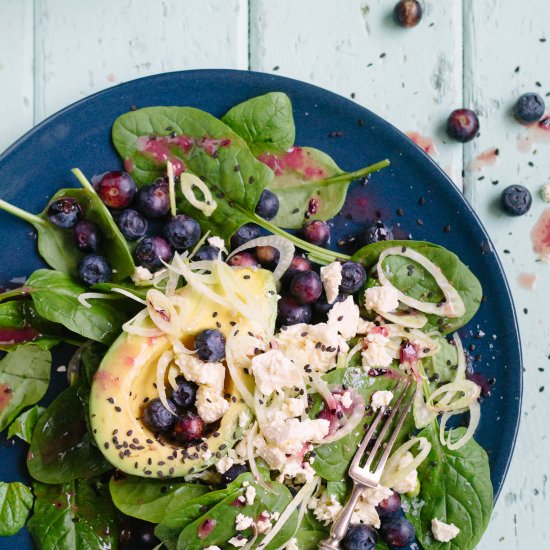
19 291
316 252
22 214
83 180
358 174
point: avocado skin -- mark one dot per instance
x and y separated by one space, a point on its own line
124 381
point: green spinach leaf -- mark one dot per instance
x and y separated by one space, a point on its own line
55 297
23 426
12 315
455 487
420 284
309 185
310 532
58 246
148 499
62 448
24 379
264 122
15 504
441 367
333 459
90 359
79 515
225 513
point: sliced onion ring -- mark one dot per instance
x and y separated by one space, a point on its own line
470 390
475 415
284 246
409 320
351 422
187 182
162 365
453 306
392 474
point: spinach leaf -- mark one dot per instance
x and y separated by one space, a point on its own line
15 504
24 379
225 513
62 448
264 122
12 315
55 297
333 459
310 532
90 360
79 515
58 247
148 499
24 424
455 487
441 367
139 291
420 283
308 182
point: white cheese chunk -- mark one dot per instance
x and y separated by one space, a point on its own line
444 532
274 371
141 274
377 353
242 522
381 298
291 434
213 548
224 463
408 484
545 192
344 317
346 400
292 544
217 242
207 374
292 407
238 541
325 508
381 399
210 404
250 495
331 276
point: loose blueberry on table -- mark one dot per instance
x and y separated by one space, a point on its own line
462 125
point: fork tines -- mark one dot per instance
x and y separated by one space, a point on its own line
402 404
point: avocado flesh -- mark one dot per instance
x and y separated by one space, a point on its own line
126 377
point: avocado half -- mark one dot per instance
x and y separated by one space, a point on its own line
126 379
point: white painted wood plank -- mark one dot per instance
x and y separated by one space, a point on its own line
411 77
85 46
16 69
500 36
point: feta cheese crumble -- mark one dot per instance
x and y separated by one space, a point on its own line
325 508
224 463
409 483
290 434
238 541
344 317
444 532
377 353
292 545
545 192
274 371
293 407
213 548
207 374
242 522
141 274
331 276
346 400
381 298
250 495
217 242
211 404
381 399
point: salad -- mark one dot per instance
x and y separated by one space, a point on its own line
225 368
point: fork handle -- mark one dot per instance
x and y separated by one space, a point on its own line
340 526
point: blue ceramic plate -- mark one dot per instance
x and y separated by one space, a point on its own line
39 164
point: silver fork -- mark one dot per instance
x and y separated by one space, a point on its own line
363 476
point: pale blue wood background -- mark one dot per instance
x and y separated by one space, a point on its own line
464 52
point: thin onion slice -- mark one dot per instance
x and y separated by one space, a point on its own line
162 365
284 246
162 312
422 415
235 373
392 474
322 388
453 305
469 389
171 187
187 182
475 415
461 364
409 320
352 352
253 432
129 294
133 326
351 422
85 296
304 493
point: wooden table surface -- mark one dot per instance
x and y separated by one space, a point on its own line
480 54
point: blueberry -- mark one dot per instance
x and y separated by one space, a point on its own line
360 537
189 427
290 312
233 473
529 108
210 345
316 232
407 13
182 232
94 269
306 287
117 189
353 277
153 201
321 307
65 212
186 394
376 232
151 251
206 252
516 200
245 233
132 224
398 532
156 417
298 263
462 125
268 205
242 259
87 236
389 506
268 256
